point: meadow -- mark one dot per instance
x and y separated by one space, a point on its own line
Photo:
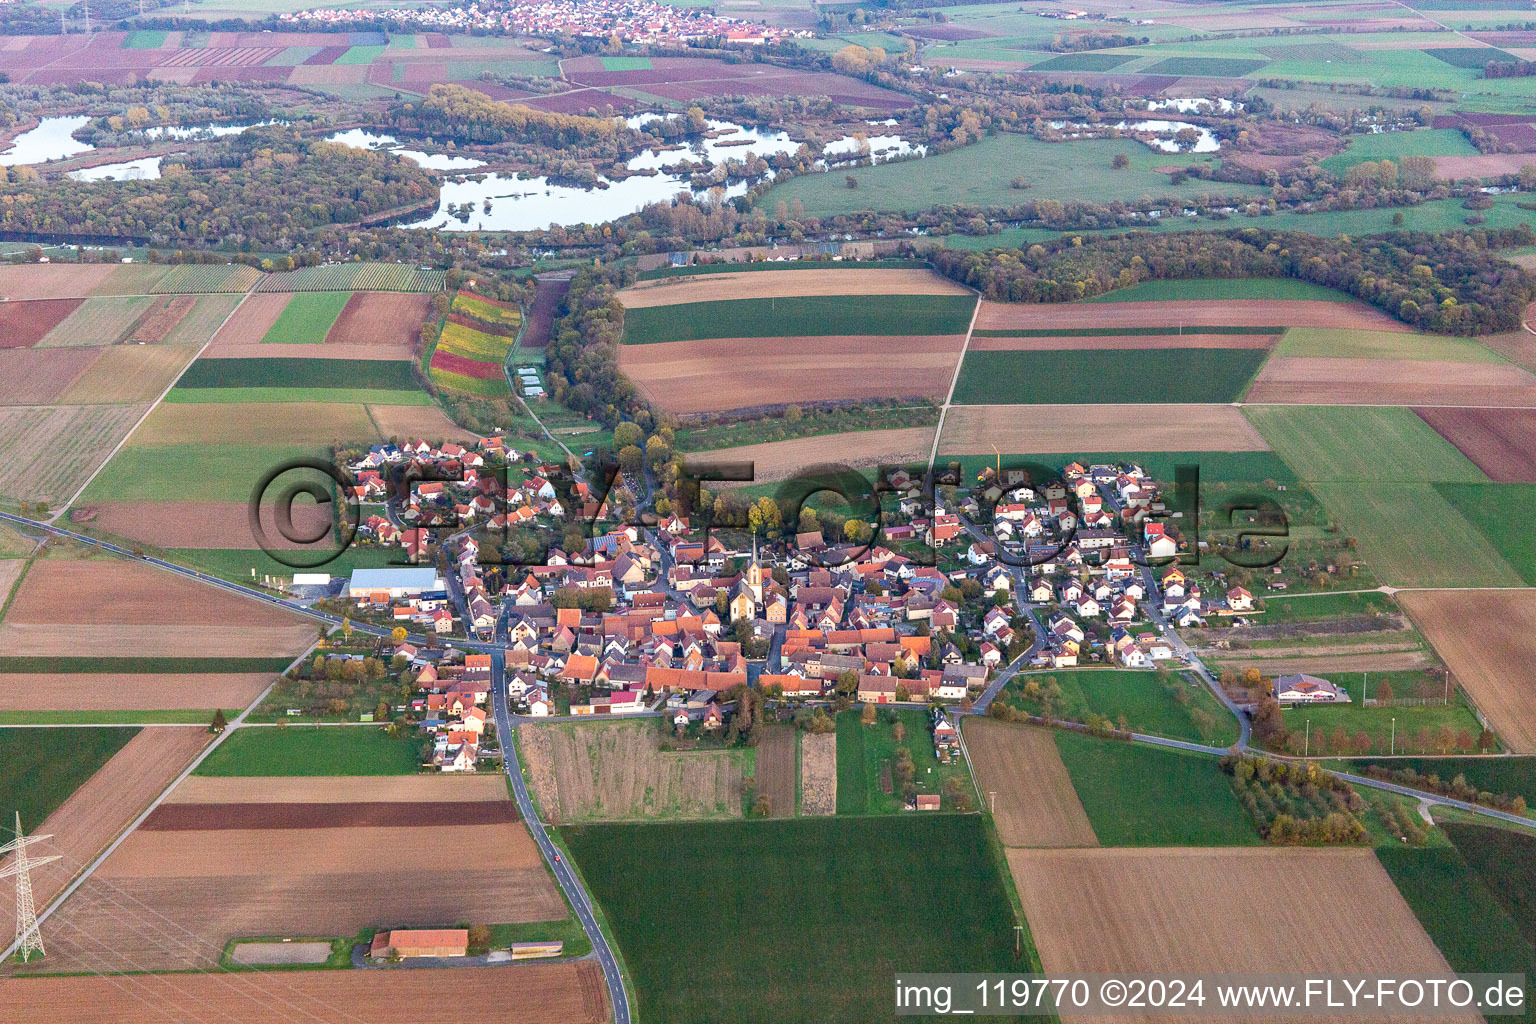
1379 723
190 472
1500 512
815 914
864 751
1146 704
804 316
1396 145
1334 343
312 750
40 768
1361 444
1104 376
1515 776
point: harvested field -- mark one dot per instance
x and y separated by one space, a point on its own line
1125 341
616 770
1301 380
818 773
1484 165
251 321
1502 442
200 524
120 592
736 373
47 453
38 376
776 771
1487 639
52 280
423 421
104 321
1383 661
229 789
128 374
1195 911
764 284
96 691
257 350
98 811
250 422
975 429
1212 313
332 814
38 640
775 460
567 993
386 319
157 322
23 324
1035 803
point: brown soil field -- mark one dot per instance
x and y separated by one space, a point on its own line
616 770
975 429
779 284
1502 442
1127 341
776 770
199 524
52 280
1328 911
775 460
256 350
118 591
1487 638
1205 312
93 691
164 315
64 640
38 376
417 421
737 373
1380 661
1035 803
94 815
1484 165
138 373
1517 346
336 814
23 324
818 773
1301 380
563 993
47 453
251 321
211 789
390 319
256 423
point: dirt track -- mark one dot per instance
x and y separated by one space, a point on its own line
1329 911
1201 313
818 773
775 460
1501 442
93 691
779 284
1488 639
1035 803
564 993
1304 380
1055 429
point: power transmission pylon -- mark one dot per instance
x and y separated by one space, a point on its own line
28 938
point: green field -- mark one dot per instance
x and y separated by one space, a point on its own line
1501 513
1316 608
981 175
144 39
863 751
237 563
361 55
1361 444
1378 722
130 666
1505 861
190 472
1136 794
1208 67
308 374
1084 62
306 318
626 63
40 768
813 914
344 396
312 750
1118 332
143 716
1105 376
808 315
1396 145
1223 289
1139 696
1513 775
1354 344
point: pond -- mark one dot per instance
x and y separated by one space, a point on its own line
723 141
359 138
52 139
144 169
1205 141
200 131
1195 105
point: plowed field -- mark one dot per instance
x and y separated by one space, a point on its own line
1025 429
1035 804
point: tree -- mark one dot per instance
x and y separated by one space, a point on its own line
867 716
899 731
1384 693
398 634
1120 162
346 629
218 724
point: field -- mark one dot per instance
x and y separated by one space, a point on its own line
570 993
355 277
818 773
386 319
1413 724
836 905
1193 911
776 460
1515 776
104 321
776 770
1497 511
739 373
198 524
191 472
1113 317
1182 799
1335 343
1020 773
307 318
250 323
616 770
1501 442
1361 445
1292 380
866 758
763 284
978 429
91 691
128 374
1074 376
38 376
42 767
312 750
24 324
53 281
681 79
275 423
1487 638
1222 289
1137 697
288 372
799 316
46 454
1437 142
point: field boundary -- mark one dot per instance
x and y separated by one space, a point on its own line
949 399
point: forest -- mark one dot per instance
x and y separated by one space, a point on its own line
456 112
